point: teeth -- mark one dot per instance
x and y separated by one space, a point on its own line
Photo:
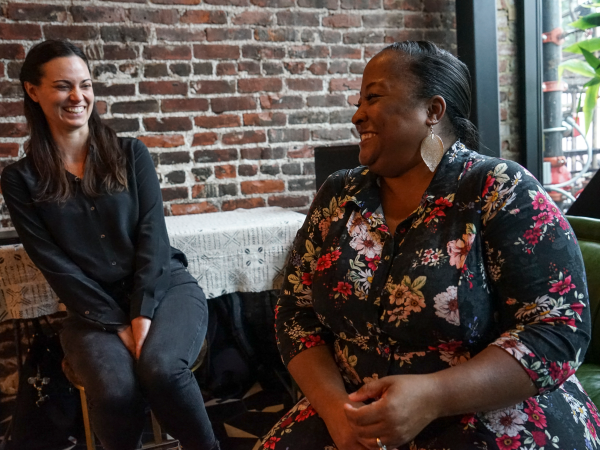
77 109
366 136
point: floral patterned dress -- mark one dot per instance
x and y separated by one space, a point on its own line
486 259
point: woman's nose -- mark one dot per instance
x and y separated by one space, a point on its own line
76 94
358 117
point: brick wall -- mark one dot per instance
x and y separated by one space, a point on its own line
231 96
508 79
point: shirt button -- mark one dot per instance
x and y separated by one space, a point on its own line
102 236
87 312
92 208
114 263
77 179
387 257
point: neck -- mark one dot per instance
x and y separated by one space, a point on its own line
73 146
414 181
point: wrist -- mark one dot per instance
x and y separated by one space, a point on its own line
437 395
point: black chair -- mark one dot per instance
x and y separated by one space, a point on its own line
331 159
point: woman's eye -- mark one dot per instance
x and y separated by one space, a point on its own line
86 86
357 105
371 96
62 88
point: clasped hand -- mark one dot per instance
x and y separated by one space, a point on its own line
134 335
403 406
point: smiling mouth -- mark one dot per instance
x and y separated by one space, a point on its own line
75 109
365 136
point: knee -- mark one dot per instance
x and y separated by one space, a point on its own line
160 371
119 394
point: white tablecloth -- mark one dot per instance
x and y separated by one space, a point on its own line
235 251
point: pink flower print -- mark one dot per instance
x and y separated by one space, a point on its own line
552 209
594 412
343 288
373 262
536 416
591 428
507 442
543 218
459 249
560 373
563 223
539 438
540 202
532 236
562 286
307 279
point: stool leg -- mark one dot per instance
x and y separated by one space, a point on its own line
89 434
156 429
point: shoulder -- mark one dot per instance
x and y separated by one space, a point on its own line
20 169
488 170
133 145
344 181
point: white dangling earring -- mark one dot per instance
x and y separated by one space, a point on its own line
432 150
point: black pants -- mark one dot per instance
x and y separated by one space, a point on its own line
118 387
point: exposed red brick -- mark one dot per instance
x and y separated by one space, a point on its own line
304 151
245 203
119 52
101 107
36 12
288 201
12 51
244 137
9 150
247 170
10 109
294 67
98 14
20 31
260 85
197 16
309 51
318 68
228 34
342 21
167 52
223 104
262 52
180 34
216 51
167 124
10 89
218 155
163 87
262 186
223 121
71 32
226 69
176 2
265 119
226 171
13 129
204 139
288 134
251 67
307 84
353 99
164 16
214 87
261 18
284 102
162 140
329 4
346 52
184 104
179 209
345 84
294 18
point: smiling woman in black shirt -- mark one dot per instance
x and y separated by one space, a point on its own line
87 206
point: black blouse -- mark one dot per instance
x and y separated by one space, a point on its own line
93 249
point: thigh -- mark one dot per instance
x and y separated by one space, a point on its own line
97 357
300 429
179 324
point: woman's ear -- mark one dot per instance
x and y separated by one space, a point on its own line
31 90
436 110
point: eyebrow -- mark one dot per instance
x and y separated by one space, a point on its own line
68 82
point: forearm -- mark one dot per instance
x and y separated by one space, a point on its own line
493 379
319 378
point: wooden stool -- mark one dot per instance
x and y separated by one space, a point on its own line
89 434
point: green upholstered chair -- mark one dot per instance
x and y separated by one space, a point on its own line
587 231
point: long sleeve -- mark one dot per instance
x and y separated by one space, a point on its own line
152 250
297 325
536 270
74 287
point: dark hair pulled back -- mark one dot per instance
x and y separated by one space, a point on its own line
438 72
105 165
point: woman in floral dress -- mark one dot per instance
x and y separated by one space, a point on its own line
442 309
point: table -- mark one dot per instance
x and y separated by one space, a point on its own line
234 251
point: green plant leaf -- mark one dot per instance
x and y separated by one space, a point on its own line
576 66
591 95
592 82
591 45
591 59
585 22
